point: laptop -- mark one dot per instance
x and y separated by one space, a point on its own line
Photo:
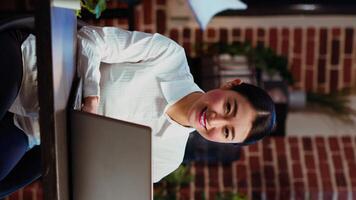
110 158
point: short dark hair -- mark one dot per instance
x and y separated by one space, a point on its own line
265 119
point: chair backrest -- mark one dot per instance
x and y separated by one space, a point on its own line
21 22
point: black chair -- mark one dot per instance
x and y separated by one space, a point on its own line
29 167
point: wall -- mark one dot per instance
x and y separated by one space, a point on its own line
320 49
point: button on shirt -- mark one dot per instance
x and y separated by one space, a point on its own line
137 77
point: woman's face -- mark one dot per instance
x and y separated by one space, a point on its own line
222 115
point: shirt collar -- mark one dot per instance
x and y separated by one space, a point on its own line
173 91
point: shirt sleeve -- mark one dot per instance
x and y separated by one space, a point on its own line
115 45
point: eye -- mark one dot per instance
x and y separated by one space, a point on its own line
226 132
228 108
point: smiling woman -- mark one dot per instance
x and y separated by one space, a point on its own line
235 113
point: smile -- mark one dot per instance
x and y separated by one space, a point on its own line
202 118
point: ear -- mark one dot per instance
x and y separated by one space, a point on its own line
231 84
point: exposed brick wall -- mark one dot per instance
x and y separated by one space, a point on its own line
321 58
283 168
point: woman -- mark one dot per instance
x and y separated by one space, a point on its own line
142 78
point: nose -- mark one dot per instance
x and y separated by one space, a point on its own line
215 120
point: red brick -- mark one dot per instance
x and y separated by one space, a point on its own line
241 172
199 194
137 20
310 53
285 47
227 175
122 5
298 40
273 38
335 52
349 34
323 41
186 33
212 194
322 156
254 163
270 183
266 142
285 33
124 22
161 2
295 153
14 196
185 193
256 180
336 32
242 183
211 33
223 35
267 154
199 175
309 80
269 172
352 170
312 180
161 21
284 180
109 22
349 154
236 32
174 35
282 163
147 11
297 170
319 141
307 144
147 30
253 147
325 170
321 70
310 33
346 140
249 35
299 186
198 35
326 184
271 194
213 176
334 80
187 47
296 69
242 155
337 162
280 146
293 141
260 32
309 161
340 179
347 70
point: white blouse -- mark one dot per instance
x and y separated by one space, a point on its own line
137 77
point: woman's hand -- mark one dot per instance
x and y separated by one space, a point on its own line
91 104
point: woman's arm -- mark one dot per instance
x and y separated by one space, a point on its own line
115 45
